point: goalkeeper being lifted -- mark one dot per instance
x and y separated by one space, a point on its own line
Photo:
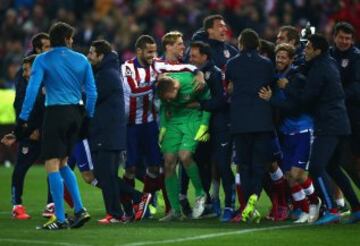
181 129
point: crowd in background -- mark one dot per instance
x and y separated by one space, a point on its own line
121 21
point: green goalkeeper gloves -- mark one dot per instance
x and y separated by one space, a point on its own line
202 134
161 134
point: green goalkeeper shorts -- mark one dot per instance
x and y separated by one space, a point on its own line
180 137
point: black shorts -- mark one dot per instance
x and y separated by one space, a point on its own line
61 128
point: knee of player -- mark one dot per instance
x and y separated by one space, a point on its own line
290 179
186 158
88 177
298 174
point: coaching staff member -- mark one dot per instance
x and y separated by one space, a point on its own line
250 118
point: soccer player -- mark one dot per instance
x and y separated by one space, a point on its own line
220 141
173 45
141 115
290 35
181 129
63 73
251 118
140 75
214 32
324 97
296 128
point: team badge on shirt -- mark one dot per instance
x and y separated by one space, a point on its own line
207 75
227 53
25 150
344 63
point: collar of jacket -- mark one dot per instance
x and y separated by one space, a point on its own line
214 43
247 52
320 57
109 60
206 66
343 54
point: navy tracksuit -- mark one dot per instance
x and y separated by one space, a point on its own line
28 150
107 134
221 52
220 140
251 117
349 66
324 98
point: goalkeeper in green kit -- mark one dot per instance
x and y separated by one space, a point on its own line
181 128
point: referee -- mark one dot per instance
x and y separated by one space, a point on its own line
63 73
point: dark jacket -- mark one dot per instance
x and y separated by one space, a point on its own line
323 97
108 127
249 72
217 105
349 66
37 114
221 52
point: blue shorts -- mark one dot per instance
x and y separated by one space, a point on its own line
81 156
296 149
142 145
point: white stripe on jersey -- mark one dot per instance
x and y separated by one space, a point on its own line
138 88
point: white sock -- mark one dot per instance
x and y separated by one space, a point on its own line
278 174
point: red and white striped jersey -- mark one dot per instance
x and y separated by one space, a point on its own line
139 86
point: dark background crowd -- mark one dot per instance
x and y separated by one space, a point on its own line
122 21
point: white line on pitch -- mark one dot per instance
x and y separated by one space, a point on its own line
207 236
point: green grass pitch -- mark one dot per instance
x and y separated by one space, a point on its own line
151 232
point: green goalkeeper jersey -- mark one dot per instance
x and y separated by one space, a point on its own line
175 112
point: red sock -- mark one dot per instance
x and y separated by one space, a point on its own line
151 184
299 198
67 197
279 187
309 190
241 198
240 192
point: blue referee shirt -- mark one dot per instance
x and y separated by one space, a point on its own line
65 74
